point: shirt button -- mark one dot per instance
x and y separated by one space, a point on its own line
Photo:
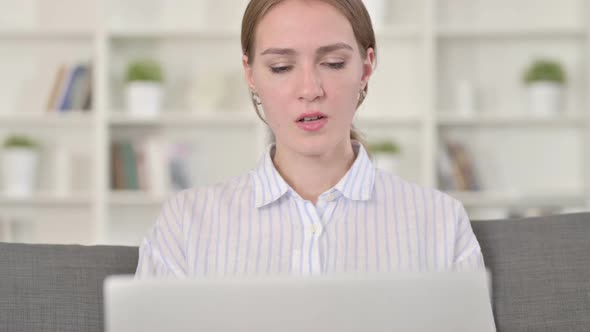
315 229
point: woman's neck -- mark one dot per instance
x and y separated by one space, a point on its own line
310 176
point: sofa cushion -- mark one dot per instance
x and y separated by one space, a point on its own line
540 271
57 287
540 278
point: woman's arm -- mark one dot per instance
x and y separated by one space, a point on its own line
162 251
467 253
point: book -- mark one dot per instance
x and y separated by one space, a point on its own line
155 166
56 87
179 166
72 84
87 101
72 88
117 171
456 168
142 178
151 165
80 88
446 177
129 166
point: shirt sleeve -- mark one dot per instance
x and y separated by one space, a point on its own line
162 251
467 253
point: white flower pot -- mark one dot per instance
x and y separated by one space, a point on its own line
144 99
19 171
377 10
386 161
545 98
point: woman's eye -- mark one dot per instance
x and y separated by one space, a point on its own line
335 65
279 70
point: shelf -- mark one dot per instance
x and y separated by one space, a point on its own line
509 200
173 33
45 33
502 120
397 31
180 118
136 198
69 118
47 199
204 33
509 32
243 118
375 119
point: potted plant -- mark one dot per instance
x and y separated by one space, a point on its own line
385 155
19 165
545 79
144 92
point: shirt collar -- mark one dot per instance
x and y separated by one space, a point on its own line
269 185
357 183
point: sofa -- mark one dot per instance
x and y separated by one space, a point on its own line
540 277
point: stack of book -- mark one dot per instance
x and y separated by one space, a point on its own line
456 169
71 89
150 165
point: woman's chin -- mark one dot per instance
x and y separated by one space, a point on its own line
314 146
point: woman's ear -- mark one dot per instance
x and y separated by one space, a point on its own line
368 66
248 72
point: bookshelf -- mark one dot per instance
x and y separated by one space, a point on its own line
510 32
180 118
425 48
134 198
46 199
45 34
72 119
507 120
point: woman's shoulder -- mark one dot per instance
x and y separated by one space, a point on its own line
233 184
388 179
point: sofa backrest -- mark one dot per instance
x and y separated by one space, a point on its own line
57 287
540 278
540 271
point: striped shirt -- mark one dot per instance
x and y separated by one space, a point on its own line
256 224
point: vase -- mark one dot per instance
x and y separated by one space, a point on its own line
19 171
545 98
144 99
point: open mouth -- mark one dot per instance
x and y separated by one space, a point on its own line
311 118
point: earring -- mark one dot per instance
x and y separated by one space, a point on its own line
362 94
255 98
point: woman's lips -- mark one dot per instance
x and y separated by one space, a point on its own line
318 122
311 115
314 125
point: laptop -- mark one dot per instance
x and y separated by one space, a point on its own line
437 301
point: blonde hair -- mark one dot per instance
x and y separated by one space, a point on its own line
353 10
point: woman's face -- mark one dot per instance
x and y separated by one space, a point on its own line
307 64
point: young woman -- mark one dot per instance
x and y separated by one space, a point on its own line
315 204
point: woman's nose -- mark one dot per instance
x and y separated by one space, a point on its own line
310 84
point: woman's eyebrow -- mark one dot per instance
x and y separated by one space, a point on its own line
279 51
333 47
320 51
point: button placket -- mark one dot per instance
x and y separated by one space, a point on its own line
313 232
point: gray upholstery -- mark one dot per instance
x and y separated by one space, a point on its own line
540 266
540 271
57 287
